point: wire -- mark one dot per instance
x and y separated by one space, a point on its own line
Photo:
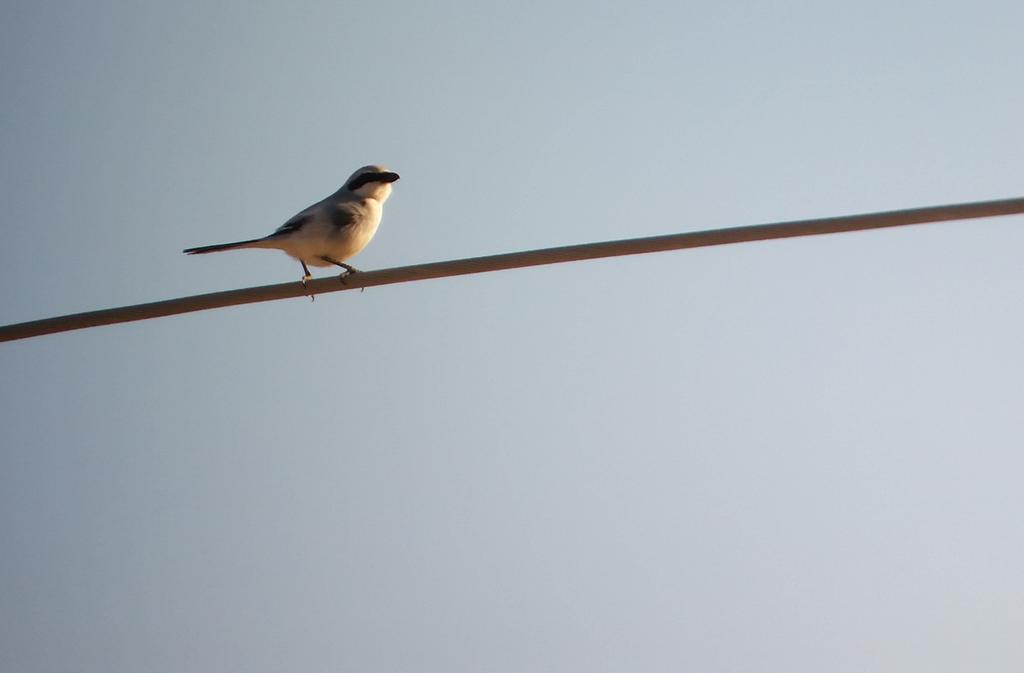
515 260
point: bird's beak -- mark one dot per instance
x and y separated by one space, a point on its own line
388 177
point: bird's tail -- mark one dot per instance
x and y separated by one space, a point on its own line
202 250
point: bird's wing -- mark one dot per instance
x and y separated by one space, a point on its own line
294 224
339 215
345 213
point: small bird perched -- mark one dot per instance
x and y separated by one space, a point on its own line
331 231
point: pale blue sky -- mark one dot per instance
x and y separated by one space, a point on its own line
791 456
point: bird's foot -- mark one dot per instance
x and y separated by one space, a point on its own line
348 268
305 280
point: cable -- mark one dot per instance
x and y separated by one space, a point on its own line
514 260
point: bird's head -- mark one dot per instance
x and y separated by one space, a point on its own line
372 182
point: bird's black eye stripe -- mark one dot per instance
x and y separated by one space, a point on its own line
365 179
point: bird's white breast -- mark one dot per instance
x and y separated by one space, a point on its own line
321 238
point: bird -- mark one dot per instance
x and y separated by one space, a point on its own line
330 231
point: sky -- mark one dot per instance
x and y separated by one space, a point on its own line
798 455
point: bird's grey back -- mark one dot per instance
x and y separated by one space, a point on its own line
340 209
